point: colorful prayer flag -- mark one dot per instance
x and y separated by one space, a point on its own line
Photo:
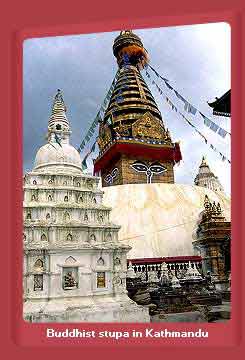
222 132
213 126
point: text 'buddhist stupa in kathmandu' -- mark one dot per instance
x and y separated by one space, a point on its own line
135 146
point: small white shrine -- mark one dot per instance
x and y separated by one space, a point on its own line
74 266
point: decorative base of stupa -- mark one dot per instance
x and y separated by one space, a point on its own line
101 309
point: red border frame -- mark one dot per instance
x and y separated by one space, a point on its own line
37 19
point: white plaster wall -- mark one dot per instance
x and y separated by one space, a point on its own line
159 220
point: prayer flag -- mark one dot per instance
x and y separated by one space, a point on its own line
179 96
189 108
222 132
169 86
213 126
93 147
57 139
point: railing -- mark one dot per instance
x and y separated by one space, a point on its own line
177 265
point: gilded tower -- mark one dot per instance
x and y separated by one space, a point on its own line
135 146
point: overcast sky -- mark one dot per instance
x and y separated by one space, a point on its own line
195 59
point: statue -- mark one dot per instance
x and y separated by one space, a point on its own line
69 281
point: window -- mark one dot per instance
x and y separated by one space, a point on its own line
48 216
34 182
69 237
50 198
43 237
28 216
70 278
58 127
92 237
67 217
95 201
100 279
66 198
33 198
38 282
78 184
38 264
109 237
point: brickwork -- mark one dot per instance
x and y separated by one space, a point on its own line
128 175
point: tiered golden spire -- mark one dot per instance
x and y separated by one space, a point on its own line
132 111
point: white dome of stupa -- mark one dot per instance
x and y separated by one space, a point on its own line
52 155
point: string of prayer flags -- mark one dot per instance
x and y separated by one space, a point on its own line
171 104
157 74
189 107
223 157
98 117
213 126
84 161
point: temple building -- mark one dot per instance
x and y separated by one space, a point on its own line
212 243
74 266
222 106
135 146
206 177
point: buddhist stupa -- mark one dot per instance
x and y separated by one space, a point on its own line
137 156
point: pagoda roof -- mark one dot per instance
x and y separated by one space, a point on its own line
222 106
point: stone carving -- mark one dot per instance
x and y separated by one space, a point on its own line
109 237
100 261
92 238
70 260
69 281
117 261
67 217
38 266
148 127
69 237
104 136
43 237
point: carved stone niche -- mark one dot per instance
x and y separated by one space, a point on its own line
148 127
